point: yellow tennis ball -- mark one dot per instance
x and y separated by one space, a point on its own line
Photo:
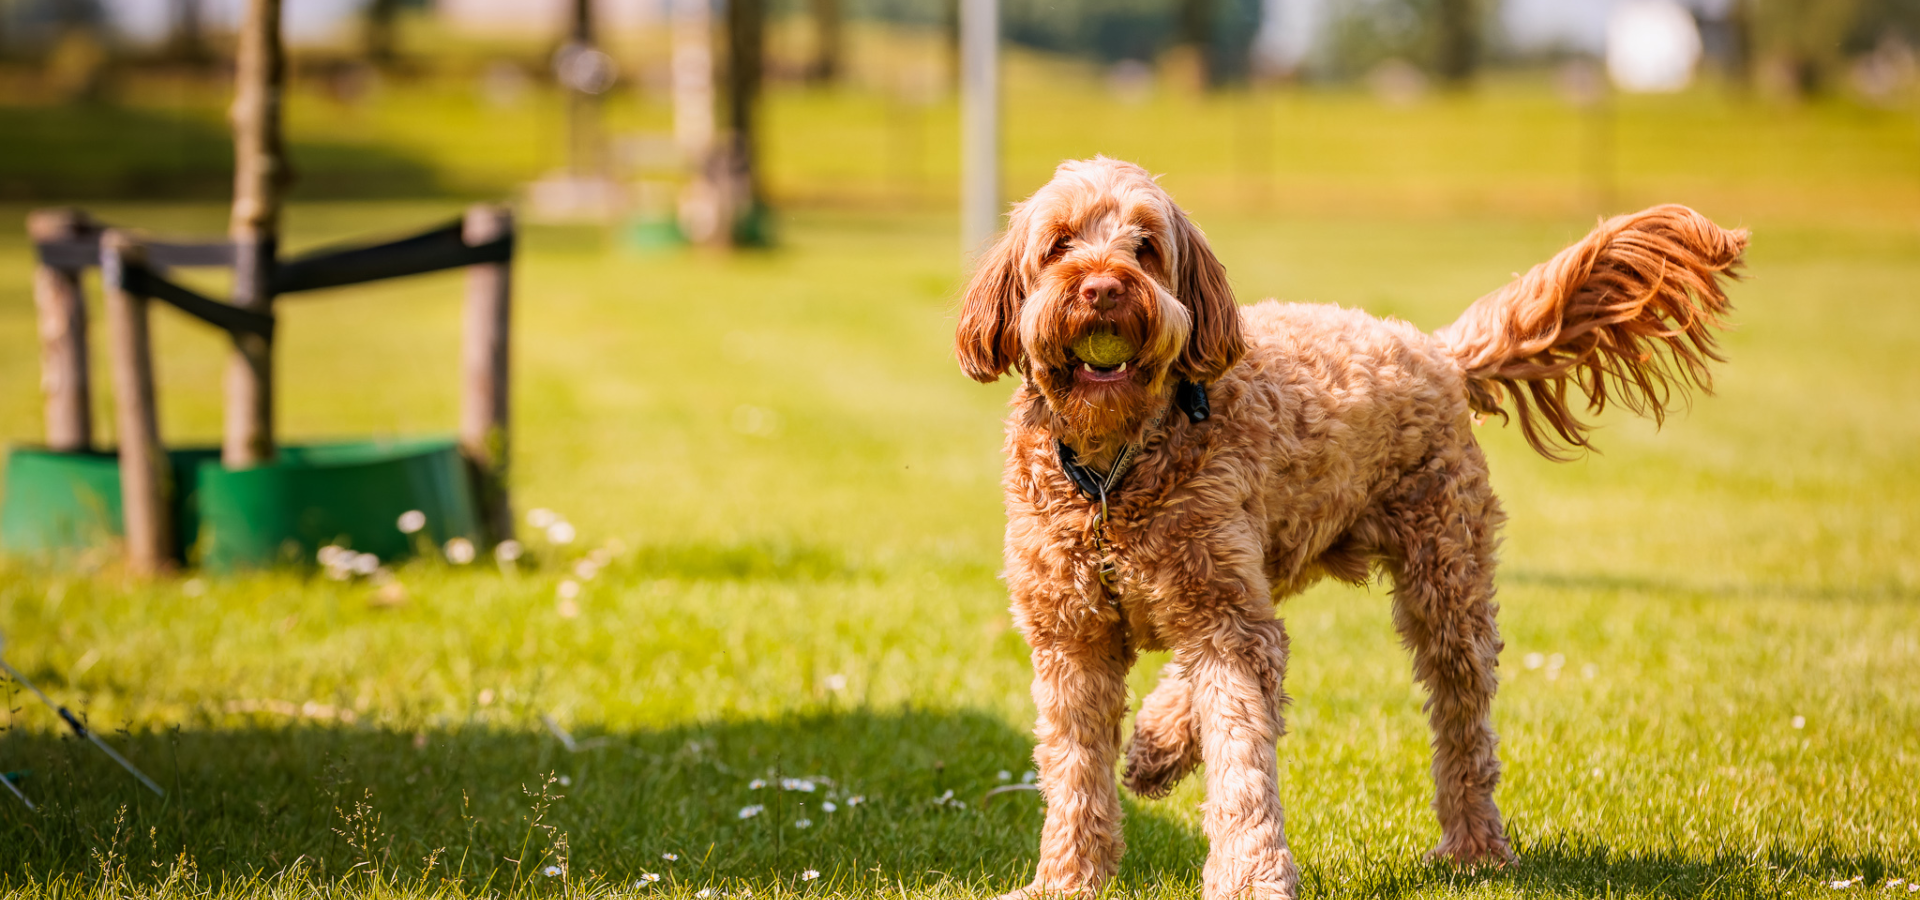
1104 349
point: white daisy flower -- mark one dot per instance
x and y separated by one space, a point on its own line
797 784
647 878
856 800
1798 722
809 874
508 550
670 857
803 823
411 521
748 812
1003 775
552 871
459 551
561 532
704 893
829 805
541 518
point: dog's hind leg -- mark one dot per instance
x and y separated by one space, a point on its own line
1166 737
1439 545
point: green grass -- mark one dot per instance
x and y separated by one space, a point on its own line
817 597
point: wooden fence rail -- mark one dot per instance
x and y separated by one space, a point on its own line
134 271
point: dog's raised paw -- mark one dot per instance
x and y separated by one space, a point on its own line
1153 768
1152 774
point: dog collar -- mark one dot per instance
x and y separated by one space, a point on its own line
1190 397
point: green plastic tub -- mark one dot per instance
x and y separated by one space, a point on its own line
348 493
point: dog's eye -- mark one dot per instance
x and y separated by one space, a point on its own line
1062 245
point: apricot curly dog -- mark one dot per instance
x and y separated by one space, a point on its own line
1175 464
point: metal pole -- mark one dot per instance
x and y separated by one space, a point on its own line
979 123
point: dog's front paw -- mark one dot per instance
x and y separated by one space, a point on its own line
1038 891
1489 851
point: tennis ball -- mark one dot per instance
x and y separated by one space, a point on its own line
1104 349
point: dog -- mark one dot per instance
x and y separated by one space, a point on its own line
1235 456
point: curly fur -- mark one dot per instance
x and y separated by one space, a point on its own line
1339 443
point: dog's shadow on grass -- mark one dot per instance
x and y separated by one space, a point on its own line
865 798
1579 866
862 797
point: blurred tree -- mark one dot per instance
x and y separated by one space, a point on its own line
187 33
1196 33
725 206
1799 45
1443 37
828 44
76 55
1726 38
380 20
1113 30
1456 53
1881 20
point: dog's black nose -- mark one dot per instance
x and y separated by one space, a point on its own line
1103 291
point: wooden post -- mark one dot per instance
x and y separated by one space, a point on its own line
63 335
979 123
828 49
484 357
146 478
260 178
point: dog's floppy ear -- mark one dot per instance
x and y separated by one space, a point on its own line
1200 282
987 340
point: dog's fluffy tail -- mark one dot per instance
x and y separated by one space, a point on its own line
1627 314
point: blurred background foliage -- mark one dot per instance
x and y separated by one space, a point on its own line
126 98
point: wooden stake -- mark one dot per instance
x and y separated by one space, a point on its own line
260 178
146 478
484 357
62 309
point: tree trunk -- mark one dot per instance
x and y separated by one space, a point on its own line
1457 53
260 179
381 22
187 33
736 163
1196 31
828 42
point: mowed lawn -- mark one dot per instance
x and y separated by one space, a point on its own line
786 497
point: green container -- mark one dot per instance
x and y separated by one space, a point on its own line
349 493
